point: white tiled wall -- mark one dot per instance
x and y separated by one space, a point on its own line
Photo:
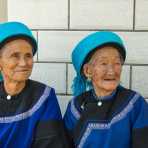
39 14
141 14
60 24
101 14
52 74
137 47
58 44
63 102
140 79
125 76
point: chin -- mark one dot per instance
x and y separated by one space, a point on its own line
21 79
111 87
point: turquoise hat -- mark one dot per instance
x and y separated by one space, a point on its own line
10 30
82 50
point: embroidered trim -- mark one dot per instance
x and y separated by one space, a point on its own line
99 126
31 111
74 111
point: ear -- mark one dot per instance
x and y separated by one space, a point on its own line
87 70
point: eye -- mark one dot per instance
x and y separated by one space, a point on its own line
103 63
15 55
118 63
29 55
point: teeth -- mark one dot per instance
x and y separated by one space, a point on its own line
109 79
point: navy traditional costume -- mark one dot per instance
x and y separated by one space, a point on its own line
116 121
32 118
119 120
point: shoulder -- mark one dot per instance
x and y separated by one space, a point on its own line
134 98
129 94
75 105
47 101
37 87
40 93
36 84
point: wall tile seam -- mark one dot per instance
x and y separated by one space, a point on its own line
70 63
68 19
114 30
134 15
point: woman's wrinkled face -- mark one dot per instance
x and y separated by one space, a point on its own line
104 69
16 60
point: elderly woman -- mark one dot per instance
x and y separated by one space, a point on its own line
29 112
104 114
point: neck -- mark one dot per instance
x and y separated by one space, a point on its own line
13 88
102 93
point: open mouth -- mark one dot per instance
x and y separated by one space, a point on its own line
23 70
110 80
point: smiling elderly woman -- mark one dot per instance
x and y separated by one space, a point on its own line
29 112
104 114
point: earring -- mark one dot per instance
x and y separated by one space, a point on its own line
89 79
88 83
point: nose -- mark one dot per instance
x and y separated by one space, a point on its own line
110 69
22 61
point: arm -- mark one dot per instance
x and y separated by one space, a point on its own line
140 128
70 121
50 131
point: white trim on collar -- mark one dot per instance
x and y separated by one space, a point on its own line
30 112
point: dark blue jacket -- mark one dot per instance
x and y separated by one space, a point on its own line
121 121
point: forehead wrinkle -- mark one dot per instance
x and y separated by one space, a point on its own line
15 46
104 58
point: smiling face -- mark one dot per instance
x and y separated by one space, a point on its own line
104 69
16 60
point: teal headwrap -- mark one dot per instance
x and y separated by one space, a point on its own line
83 48
10 30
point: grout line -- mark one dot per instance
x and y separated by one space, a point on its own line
68 14
38 46
114 30
63 62
134 15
